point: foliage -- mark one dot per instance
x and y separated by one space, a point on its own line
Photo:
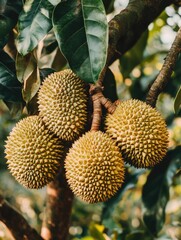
56 34
85 22
155 200
33 24
9 85
177 102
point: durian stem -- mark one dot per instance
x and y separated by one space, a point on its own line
166 71
97 113
58 209
109 106
102 75
16 223
99 100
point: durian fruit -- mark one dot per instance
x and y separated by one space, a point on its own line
94 167
63 104
140 132
34 154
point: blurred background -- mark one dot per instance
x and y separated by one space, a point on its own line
133 73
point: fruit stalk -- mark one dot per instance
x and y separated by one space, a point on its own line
98 101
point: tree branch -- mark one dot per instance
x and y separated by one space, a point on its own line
16 223
58 209
127 27
166 71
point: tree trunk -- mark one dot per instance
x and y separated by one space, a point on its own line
58 209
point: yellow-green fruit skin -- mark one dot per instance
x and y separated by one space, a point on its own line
94 167
140 132
63 104
33 153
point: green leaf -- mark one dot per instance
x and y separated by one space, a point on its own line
156 190
15 108
34 23
81 30
177 101
134 56
109 206
10 87
9 12
96 231
3 42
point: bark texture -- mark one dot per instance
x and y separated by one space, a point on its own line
126 27
16 223
165 74
58 209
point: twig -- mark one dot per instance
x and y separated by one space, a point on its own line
58 209
16 223
166 71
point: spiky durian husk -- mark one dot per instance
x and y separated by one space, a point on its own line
94 167
140 132
34 154
63 104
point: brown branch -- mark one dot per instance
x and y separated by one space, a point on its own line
58 209
127 27
166 71
16 223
